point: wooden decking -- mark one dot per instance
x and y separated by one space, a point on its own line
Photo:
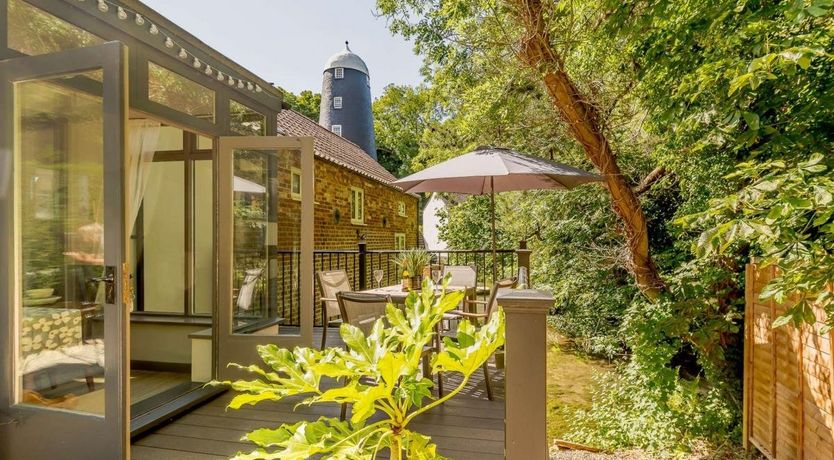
467 427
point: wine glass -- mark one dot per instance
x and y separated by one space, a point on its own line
435 276
378 274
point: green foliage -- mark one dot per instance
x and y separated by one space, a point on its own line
401 115
306 103
786 211
378 373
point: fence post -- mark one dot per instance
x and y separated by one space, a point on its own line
523 255
363 253
525 382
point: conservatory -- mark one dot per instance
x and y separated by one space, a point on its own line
144 195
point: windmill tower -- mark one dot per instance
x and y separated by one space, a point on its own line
346 100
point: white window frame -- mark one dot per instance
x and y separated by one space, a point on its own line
295 172
339 73
336 129
401 208
337 102
357 205
399 241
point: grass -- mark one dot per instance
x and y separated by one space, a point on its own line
569 382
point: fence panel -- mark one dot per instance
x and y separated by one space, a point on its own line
788 372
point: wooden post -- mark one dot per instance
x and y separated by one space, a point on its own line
363 263
526 346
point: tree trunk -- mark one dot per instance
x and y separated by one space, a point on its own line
583 123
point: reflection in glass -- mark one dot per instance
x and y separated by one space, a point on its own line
245 121
33 31
60 243
172 90
267 239
203 238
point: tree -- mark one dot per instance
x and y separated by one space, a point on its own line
401 116
306 103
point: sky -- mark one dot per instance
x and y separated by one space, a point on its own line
287 42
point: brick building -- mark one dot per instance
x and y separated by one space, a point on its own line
354 195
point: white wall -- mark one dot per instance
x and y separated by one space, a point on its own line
431 222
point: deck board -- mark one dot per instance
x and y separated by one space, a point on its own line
466 427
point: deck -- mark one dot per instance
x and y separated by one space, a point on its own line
467 427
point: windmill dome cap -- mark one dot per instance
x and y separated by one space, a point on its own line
348 60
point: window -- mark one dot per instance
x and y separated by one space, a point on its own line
246 121
401 208
337 129
399 241
337 102
33 31
172 90
339 73
295 183
357 205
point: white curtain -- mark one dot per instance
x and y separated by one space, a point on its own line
143 136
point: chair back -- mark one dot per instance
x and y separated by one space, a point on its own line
362 309
462 275
247 290
332 282
493 293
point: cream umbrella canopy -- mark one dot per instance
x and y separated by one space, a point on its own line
488 170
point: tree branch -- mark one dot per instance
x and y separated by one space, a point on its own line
657 173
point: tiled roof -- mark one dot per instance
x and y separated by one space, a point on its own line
334 148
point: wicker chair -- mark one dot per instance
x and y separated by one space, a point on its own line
330 284
463 276
363 310
490 306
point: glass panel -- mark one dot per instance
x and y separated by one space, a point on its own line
245 121
203 232
179 93
170 139
204 143
59 243
163 239
33 31
267 243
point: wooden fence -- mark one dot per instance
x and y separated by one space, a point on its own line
788 380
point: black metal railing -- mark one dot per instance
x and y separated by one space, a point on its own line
281 273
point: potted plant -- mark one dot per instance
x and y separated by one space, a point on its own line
414 262
380 374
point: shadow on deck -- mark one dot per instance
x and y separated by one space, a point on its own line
467 427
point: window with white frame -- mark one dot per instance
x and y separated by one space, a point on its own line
295 183
337 102
357 205
337 129
401 208
399 241
339 73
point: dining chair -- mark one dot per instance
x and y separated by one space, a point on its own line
362 310
246 294
464 276
331 282
490 307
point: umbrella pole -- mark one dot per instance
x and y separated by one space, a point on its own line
492 208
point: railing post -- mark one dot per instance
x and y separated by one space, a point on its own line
523 255
526 346
363 254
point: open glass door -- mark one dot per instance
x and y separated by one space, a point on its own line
63 347
265 246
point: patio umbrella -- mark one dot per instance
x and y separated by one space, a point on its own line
490 170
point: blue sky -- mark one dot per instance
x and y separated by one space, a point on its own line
288 41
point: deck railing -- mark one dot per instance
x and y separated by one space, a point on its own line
360 264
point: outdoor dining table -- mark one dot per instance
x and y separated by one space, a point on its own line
397 295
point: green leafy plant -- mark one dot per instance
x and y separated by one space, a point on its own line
377 373
413 261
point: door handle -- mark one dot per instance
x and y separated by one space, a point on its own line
109 280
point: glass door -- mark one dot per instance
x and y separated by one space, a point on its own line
63 356
265 246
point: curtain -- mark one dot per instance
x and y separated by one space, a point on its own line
143 136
